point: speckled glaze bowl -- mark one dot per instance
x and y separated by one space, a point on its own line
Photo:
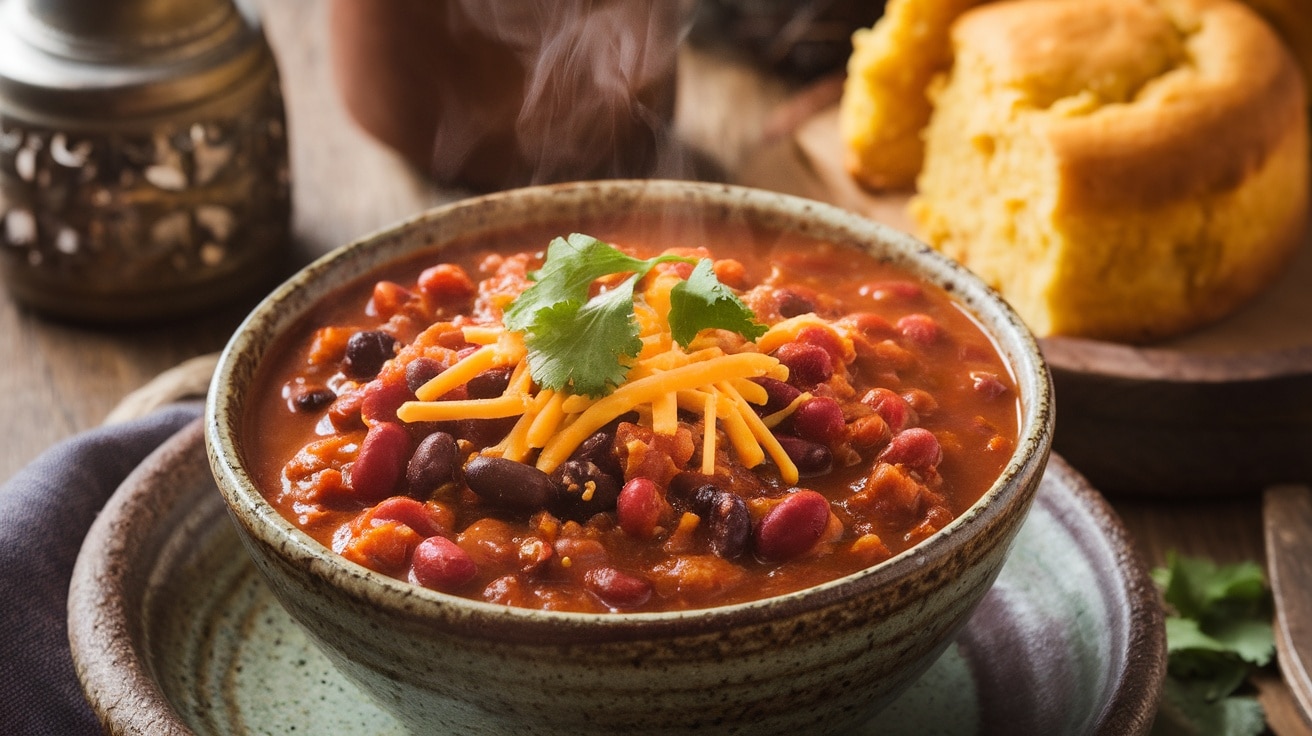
815 661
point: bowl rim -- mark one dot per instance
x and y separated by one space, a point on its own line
1013 489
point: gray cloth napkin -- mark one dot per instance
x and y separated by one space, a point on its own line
45 511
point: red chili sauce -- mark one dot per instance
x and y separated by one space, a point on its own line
904 421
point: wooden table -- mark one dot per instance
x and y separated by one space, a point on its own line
59 379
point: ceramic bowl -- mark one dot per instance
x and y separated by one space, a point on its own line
815 661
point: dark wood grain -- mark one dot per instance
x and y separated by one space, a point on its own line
1287 511
58 379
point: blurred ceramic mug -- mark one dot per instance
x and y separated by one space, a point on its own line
493 94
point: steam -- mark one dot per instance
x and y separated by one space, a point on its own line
556 91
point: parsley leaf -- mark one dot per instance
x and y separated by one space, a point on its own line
702 301
581 344
1220 631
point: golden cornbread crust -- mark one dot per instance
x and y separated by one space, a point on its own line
1117 169
884 106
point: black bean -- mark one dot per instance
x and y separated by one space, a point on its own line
366 352
489 384
503 482
727 520
684 486
313 399
598 450
484 432
433 463
586 489
421 370
811 458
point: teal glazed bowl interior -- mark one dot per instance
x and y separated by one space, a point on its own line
815 661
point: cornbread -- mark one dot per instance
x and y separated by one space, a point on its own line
885 106
1117 169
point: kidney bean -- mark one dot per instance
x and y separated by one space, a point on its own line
345 409
440 564
309 399
811 458
987 384
421 370
727 520
410 512
920 329
366 352
893 409
819 419
869 431
616 588
580 478
807 364
639 508
871 326
921 401
793 526
381 461
779 394
389 298
915 448
382 399
489 384
433 463
823 337
507 483
792 302
892 291
446 282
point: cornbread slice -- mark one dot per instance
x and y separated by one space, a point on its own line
884 106
1117 169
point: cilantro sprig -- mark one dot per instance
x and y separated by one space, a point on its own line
1218 632
580 344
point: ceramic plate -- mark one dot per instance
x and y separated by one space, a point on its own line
173 631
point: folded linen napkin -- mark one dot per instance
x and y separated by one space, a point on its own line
45 511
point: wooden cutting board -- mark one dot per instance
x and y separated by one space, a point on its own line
1223 410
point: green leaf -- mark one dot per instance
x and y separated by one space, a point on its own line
567 275
1222 631
1195 587
577 347
1186 710
702 302
581 344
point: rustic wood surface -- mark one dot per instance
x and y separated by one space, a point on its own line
59 379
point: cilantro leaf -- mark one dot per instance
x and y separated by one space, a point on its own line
1221 630
580 344
567 274
702 302
1198 588
1186 710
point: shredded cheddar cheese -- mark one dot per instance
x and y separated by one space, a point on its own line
662 380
